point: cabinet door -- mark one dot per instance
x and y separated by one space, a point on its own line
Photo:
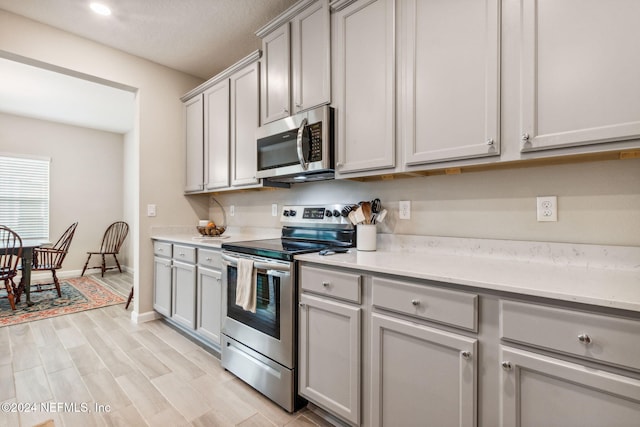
216 131
541 391
329 356
421 376
245 119
193 113
162 292
579 72
275 78
448 56
363 83
184 294
310 57
209 308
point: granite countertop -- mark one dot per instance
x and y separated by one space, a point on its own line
607 276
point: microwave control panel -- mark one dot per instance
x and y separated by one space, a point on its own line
315 146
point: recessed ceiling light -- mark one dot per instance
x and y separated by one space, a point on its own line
100 9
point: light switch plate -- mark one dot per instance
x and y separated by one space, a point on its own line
151 210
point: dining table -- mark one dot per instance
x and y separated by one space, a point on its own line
28 245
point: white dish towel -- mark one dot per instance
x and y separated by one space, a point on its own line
246 285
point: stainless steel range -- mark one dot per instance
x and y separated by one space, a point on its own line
260 346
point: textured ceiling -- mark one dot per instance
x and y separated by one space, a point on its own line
198 37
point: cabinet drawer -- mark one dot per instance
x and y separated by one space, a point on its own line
336 284
162 249
607 339
210 258
184 253
427 302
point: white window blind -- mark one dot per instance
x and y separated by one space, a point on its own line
24 196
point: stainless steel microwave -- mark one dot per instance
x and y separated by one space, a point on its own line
298 148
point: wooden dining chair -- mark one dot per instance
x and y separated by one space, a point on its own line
111 242
10 254
50 259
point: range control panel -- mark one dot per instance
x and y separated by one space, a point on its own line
316 214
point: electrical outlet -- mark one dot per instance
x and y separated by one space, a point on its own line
405 209
547 208
151 210
232 210
274 209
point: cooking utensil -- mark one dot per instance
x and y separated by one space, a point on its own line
359 215
366 212
379 217
376 205
352 217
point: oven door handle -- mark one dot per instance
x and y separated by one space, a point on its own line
258 265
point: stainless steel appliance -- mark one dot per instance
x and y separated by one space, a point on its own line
298 148
260 348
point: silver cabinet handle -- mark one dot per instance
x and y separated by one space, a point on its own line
181 254
302 305
415 302
298 105
585 339
209 259
506 365
525 137
465 355
285 111
490 141
326 284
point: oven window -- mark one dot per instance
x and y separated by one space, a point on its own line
266 319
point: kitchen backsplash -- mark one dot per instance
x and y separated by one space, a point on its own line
598 203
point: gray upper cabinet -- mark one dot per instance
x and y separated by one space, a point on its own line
363 76
580 64
193 110
448 79
296 60
275 78
216 131
222 116
245 119
311 57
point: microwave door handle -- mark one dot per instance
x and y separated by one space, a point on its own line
303 162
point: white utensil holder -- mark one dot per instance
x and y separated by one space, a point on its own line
366 237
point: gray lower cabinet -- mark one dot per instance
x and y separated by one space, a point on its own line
162 291
329 352
188 294
421 375
538 390
184 285
209 297
329 358
568 367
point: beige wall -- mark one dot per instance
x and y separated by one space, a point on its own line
86 178
599 203
157 174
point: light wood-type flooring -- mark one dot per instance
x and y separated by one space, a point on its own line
97 368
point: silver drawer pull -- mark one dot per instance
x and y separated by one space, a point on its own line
465 355
302 305
415 302
181 254
584 339
209 259
326 284
525 137
506 365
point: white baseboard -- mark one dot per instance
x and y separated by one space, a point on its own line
144 317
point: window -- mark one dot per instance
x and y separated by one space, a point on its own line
24 196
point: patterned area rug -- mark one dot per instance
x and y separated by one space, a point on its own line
78 294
